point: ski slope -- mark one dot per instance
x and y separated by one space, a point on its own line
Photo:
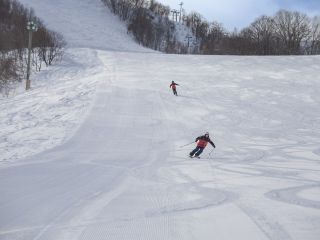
98 149
85 24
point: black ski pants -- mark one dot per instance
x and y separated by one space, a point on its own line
197 151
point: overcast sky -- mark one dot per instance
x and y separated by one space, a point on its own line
240 13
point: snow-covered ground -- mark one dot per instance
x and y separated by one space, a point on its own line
85 24
117 167
48 114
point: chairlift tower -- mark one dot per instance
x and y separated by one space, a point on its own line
175 15
32 27
180 16
189 38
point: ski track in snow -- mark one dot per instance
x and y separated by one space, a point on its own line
130 181
94 150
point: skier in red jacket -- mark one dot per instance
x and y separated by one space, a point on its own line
173 86
202 142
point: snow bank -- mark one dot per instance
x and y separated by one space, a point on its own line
50 112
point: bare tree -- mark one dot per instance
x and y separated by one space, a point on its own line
261 33
213 42
51 47
8 75
313 46
292 28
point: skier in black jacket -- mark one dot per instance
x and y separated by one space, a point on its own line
202 142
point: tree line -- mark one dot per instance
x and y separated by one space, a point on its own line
148 21
47 46
285 33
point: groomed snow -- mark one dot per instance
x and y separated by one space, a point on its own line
118 140
85 24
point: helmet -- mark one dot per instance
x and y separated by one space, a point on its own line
207 134
172 81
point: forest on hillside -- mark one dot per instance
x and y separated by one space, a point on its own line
285 33
47 45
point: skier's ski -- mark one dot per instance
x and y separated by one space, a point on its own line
194 156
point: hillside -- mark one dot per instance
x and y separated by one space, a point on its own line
98 149
85 24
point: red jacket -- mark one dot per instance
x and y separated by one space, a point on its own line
203 141
173 85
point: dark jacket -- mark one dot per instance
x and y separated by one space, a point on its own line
203 141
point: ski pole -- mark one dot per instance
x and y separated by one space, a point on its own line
209 155
186 145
